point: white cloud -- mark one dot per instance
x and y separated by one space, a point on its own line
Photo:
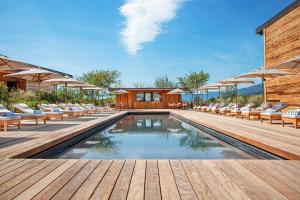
144 19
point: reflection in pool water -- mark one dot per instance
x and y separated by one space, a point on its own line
152 137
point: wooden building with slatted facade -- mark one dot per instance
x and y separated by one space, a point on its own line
146 98
281 43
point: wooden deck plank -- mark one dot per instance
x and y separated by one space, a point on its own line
13 164
29 193
23 185
88 187
229 184
199 184
72 186
175 179
21 177
19 170
212 182
137 184
249 182
184 186
120 190
105 187
49 191
152 185
167 182
272 181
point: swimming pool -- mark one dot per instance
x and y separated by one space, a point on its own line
151 137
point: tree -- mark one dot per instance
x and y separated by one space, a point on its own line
163 82
101 78
138 84
192 81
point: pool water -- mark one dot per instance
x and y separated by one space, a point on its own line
152 137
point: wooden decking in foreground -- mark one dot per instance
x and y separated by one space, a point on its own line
149 179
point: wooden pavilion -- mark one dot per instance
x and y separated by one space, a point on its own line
146 98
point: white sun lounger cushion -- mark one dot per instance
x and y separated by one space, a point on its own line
292 114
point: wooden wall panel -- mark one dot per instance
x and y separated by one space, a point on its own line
130 101
282 42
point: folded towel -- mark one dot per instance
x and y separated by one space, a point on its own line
7 114
37 112
56 110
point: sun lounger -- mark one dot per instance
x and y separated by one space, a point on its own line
70 110
273 113
29 114
216 109
227 109
214 106
8 118
292 116
238 111
51 112
204 108
255 113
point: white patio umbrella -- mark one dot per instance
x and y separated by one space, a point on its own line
290 64
176 91
34 75
65 81
7 64
235 82
263 74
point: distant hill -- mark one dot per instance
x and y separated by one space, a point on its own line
252 90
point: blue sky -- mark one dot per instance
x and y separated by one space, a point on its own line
77 36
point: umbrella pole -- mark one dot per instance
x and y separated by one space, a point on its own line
207 96
66 93
219 95
236 94
263 97
39 96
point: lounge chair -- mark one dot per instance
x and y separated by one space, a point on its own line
227 109
8 118
71 110
205 107
238 111
216 109
292 116
209 109
255 113
52 112
29 114
273 113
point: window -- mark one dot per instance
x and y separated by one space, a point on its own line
148 97
140 97
156 97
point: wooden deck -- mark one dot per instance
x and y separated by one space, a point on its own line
282 141
151 179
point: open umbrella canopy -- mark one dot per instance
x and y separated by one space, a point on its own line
264 73
64 80
92 87
34 74
176 91
80 85
120 91
290 64
10 64
236 81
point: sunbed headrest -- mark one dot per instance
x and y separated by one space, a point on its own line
279 106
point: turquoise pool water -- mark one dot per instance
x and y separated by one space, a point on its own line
152 137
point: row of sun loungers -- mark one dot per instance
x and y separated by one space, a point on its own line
266 111
46 112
